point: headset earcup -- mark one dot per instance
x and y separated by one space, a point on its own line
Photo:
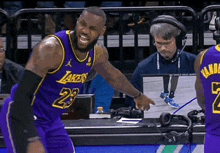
165 119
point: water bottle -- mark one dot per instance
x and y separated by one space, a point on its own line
100 110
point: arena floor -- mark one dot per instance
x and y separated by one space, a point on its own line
153 86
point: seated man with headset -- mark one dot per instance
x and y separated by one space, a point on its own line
167 31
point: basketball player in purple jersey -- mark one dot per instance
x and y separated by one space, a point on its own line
30 118
207 85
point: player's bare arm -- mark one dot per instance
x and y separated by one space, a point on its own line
198 83
46 56
117 80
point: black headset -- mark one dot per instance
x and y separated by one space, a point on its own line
165 120
128 112
193 115
170 20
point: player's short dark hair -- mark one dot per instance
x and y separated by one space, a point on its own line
96 10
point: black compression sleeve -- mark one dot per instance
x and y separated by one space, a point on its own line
21 110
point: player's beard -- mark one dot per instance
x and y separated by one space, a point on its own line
83 50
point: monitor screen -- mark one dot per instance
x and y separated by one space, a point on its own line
82 107
153 86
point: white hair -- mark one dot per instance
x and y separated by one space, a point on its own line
165 30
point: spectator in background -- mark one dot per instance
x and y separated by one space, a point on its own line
11 7
71 18
50 25
10 72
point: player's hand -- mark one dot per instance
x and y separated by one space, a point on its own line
35 147
143 102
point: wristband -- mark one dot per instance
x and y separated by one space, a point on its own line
140 93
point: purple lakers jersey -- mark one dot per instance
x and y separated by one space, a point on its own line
59 88
210 77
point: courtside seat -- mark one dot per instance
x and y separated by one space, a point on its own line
75 4
111 4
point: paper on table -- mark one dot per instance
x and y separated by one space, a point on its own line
129 120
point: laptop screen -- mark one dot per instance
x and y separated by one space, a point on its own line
153 86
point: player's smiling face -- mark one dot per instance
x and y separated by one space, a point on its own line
88 28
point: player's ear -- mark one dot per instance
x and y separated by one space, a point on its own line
103 30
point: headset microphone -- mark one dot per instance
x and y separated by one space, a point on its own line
179 52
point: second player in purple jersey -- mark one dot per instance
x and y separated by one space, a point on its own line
210 77
207 85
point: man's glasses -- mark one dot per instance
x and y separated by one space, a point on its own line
165 44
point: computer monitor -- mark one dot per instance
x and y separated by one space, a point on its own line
81 108
185 92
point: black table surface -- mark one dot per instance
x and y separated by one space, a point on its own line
147 131
110 132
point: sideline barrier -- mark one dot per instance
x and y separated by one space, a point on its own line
4 30
119 12
183 13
